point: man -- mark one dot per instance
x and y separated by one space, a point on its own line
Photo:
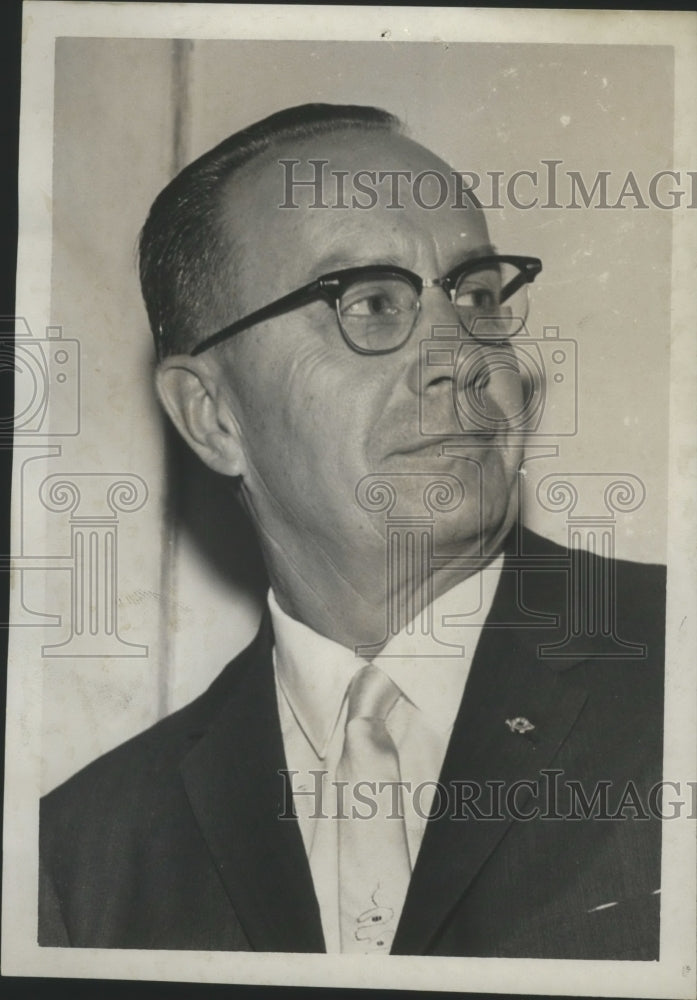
423 751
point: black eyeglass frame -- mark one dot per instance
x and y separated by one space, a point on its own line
332 286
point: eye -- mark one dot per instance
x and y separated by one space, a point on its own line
476 298
480 291
377 303
377 312
382 299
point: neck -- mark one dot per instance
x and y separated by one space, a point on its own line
363 611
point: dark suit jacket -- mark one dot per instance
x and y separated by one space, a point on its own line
173 840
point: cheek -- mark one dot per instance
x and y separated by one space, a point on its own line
303 409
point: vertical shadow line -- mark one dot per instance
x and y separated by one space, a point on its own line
180 98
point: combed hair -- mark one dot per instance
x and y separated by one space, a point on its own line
182 250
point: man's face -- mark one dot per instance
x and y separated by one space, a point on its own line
315 416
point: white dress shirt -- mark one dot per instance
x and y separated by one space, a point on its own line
312 676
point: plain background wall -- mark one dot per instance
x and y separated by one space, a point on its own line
112 152
129 113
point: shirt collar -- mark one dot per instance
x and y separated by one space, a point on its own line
314 672
431 668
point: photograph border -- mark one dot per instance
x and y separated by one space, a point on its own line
674 975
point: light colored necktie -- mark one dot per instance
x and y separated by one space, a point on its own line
374 869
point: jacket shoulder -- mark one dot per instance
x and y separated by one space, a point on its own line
142 768
597 599
119 841
647 579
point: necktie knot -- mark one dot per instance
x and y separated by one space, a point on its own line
371 695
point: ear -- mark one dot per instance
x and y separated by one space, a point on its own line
201 412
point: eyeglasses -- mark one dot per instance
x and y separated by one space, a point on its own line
377 305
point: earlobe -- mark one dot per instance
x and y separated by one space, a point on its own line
190 395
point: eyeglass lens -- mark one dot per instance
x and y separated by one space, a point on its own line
378 312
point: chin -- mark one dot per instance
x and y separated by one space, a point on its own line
480 530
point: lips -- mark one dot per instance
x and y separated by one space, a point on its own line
467 438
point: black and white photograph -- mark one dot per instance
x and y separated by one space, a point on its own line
351 629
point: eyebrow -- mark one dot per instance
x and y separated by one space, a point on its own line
340 261
485 250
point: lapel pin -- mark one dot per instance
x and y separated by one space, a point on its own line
523 726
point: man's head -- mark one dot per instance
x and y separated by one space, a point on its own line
186 252
288 405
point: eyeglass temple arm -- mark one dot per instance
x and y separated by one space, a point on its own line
277 308
526 276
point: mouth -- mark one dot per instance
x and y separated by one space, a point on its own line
437 445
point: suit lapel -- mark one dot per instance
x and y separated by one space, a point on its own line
237 795
506 681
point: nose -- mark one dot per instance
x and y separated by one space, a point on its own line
461 383
435 344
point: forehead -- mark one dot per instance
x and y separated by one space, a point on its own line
374 196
